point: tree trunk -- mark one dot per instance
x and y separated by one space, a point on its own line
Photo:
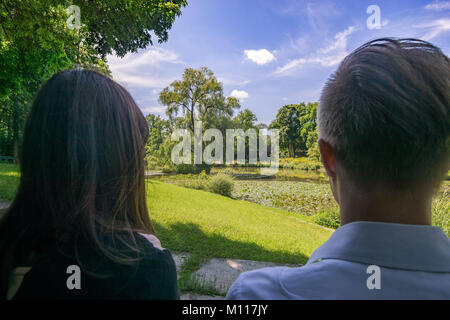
291 150
192 123
15 129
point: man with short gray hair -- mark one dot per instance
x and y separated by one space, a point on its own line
384 140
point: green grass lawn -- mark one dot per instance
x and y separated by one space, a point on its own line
210 225
201 222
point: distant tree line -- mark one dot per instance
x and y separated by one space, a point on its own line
198 96
36 42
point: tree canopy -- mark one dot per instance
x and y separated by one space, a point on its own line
125 25
245 119
198 96
36 42
297 126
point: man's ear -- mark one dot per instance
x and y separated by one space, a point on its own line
328 158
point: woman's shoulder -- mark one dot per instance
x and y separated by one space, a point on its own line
150 273
153 276
150 250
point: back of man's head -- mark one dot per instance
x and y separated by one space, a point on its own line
386 113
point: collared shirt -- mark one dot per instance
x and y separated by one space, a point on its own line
361 260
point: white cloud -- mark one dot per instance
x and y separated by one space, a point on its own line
245 82
438 5
143 81
261 56
233 80
325 61
340 42
435 28
155 109
239 94
321 14
326 57
153 56
144 69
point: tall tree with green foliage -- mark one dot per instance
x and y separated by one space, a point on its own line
122 26
308 123
198 96
287 121
35 42
245 120
297 125
156 149
308 131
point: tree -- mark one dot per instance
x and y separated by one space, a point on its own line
308 123
313 148
297 125
159 130
198 96
309 134
125 26
159 138
245 120
287 121
35 42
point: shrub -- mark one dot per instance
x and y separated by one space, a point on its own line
199 182
328 217
314 153
441 212
222 184
203 175
301 163
168 168
192 168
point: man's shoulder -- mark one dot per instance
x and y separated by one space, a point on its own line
279 283
258 284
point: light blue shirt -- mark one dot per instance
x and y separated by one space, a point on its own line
413 261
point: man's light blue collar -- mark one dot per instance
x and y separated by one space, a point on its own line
392 245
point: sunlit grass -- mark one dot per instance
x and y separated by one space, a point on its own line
202 222
195 220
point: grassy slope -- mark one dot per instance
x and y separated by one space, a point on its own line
214 226
205 223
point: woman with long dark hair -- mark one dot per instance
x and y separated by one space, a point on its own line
79 227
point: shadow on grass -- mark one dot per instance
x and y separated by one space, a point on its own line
190 238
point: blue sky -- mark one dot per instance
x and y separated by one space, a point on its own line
269 53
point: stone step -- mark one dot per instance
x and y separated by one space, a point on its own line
220 274
194 296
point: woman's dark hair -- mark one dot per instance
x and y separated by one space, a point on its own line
82 172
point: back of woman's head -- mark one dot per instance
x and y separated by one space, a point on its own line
82 169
